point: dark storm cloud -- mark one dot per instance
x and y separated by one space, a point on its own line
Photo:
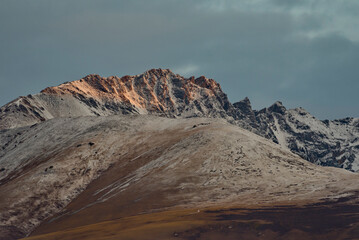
304 53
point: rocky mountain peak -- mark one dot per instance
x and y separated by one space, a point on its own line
92 77
158 74
159 71
277 107
244 105
156 91
204 82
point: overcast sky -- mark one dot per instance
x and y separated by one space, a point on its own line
301 52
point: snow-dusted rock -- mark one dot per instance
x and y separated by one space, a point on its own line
156 91
328 143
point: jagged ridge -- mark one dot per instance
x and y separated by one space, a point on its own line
156 91
328 143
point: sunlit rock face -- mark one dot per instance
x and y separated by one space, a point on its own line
156 91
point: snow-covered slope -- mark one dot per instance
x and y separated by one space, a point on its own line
328 143
126 165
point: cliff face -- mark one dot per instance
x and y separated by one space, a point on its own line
161 92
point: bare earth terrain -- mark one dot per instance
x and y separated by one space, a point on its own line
318 221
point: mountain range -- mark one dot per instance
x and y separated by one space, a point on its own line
160 156
161 92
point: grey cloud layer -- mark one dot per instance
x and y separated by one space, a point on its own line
304 53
